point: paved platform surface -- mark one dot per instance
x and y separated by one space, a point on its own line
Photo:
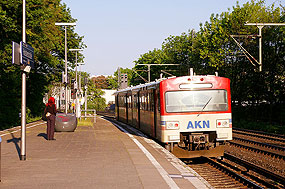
101 155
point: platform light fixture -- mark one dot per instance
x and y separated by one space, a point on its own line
65 49
76 101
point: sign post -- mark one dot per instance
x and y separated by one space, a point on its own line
26 58
23 105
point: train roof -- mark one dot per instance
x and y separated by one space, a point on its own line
137 87
157 81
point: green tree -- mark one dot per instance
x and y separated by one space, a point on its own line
94 94
48 43
112 82
155 56
180 50
211 49
100 82
95 100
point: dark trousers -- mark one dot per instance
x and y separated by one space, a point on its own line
50 126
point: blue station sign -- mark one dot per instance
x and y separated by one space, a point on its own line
27 54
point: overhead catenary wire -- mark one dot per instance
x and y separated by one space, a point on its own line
245 52
140 76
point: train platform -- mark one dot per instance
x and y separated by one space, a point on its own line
99 155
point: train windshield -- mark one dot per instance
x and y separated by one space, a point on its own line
196 101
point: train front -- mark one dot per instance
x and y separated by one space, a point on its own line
196 115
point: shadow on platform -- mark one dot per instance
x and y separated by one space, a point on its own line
44 135
15 141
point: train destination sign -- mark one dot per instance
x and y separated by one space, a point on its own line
27 54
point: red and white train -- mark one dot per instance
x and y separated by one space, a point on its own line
191 115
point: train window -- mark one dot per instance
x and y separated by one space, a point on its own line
158 101
122 101
129 99
192 101
141 101
143 104
147 101
119 101
134 101
151 101
138 100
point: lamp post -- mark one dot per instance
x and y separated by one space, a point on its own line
79 83
65 54
76 81
76 50
79 87
23 103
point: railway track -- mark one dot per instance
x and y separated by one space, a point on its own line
280 148
270 179
267 145
233 172
258 150
217 175
260 134
217 178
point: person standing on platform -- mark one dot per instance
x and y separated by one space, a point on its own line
50 112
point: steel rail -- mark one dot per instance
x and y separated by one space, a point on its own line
255 168
259 136
260 132
260 143
234 174
259 150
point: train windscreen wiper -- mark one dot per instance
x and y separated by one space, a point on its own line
205 106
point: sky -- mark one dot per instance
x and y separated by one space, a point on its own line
117 32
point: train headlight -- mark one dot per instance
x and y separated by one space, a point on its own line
172 125
223 123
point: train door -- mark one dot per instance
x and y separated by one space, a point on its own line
132 108
129 103
138 106
157 113
126 107
154 93
117 107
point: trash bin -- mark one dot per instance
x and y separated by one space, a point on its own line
65 122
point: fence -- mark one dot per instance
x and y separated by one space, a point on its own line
86 114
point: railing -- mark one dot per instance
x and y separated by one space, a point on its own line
88 114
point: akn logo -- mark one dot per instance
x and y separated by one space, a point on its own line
198 124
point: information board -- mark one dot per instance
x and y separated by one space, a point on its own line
27 54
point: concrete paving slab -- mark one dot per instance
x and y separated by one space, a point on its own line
94 156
